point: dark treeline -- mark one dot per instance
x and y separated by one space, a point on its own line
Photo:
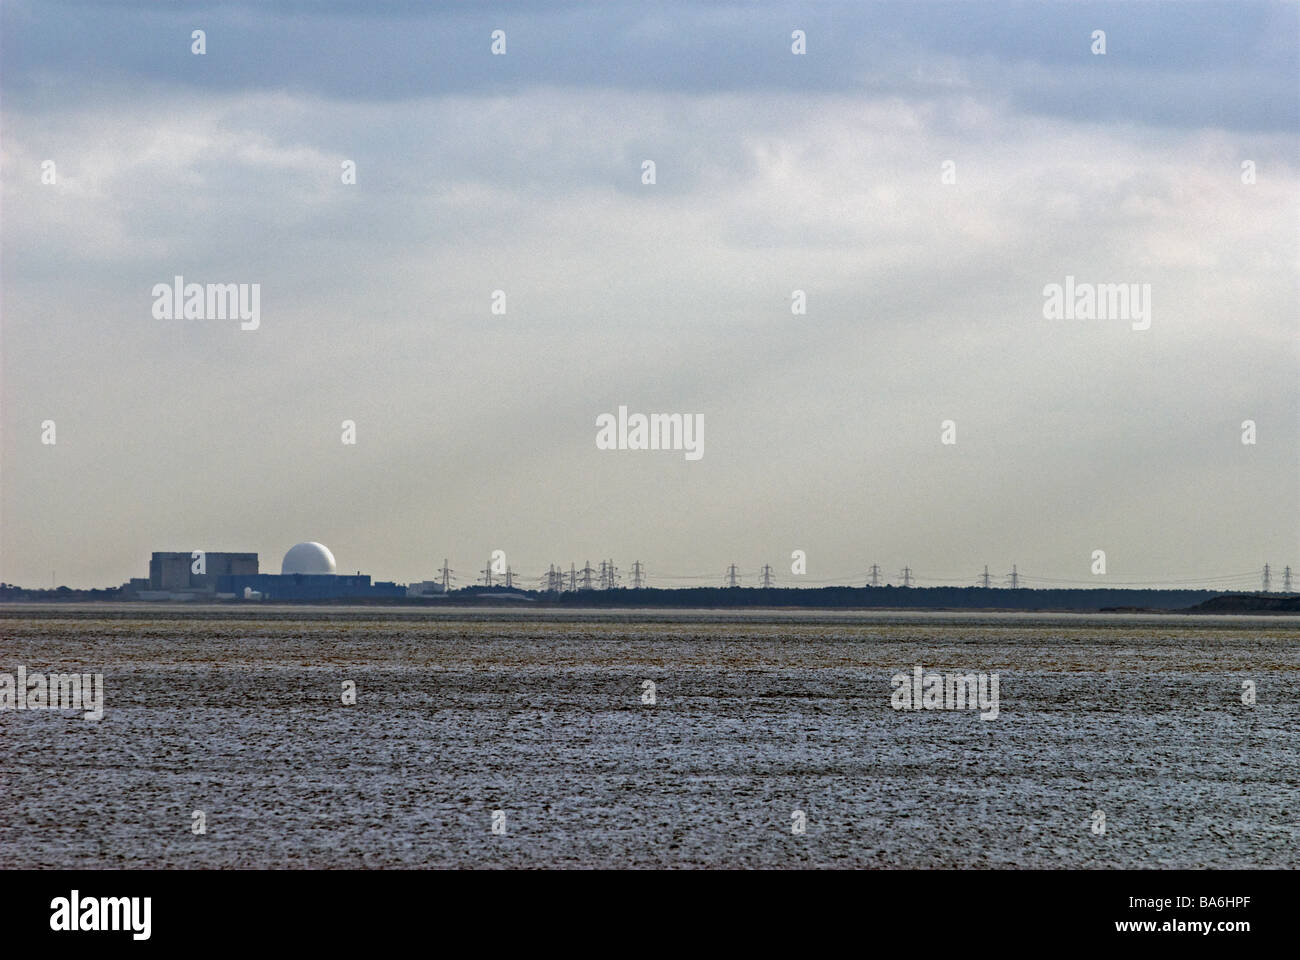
10 592
918 598
915 597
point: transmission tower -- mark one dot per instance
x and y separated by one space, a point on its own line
573 577
767 576
1268 580
446 576
510 578
586 576
611 575
1014 577
1286 579
731 576
487 574
907 576
984 577
875 574
638 575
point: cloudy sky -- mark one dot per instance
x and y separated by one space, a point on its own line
775 172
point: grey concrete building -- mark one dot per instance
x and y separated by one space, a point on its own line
176 571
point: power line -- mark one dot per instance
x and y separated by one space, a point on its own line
607 577
1237 577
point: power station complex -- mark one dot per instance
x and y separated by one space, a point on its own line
308 572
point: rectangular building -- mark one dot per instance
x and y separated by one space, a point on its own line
175 571
306 586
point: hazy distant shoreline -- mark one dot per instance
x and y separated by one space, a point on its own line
846 600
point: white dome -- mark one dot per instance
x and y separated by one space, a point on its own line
309 557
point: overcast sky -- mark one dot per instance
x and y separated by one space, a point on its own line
775 172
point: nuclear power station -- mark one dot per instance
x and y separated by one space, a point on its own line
308 572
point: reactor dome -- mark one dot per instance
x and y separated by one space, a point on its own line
310 557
